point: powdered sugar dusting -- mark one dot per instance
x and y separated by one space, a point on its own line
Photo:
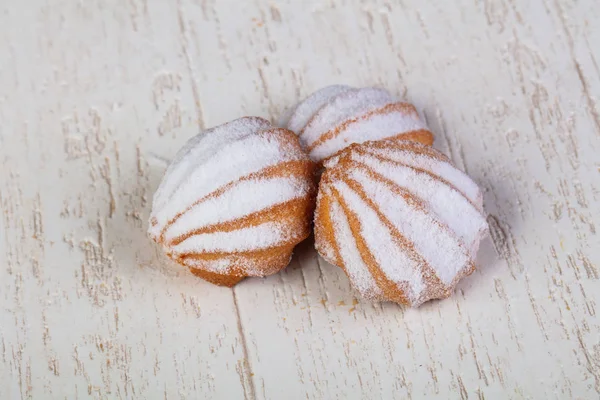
343 107
391 258
355 267
442 169
201 147
305 110
438 246
221 265
449 206
258 237
376 127
231 162
235 203
226 263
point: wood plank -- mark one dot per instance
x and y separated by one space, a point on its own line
96 97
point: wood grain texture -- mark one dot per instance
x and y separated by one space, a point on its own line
96 95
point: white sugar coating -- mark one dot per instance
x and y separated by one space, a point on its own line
199 149
376 127
223 265
268 234
326 251
450 206
438 246
305 109
236 203
345 106
231 162
355 267
220 265
442 169
391 258
332 161
191 169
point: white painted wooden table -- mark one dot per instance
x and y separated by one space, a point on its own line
95 95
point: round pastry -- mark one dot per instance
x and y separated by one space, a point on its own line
400 219
336 116
235 201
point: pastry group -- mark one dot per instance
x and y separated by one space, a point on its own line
395 214
235 201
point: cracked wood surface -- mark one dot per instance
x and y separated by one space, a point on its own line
96 95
